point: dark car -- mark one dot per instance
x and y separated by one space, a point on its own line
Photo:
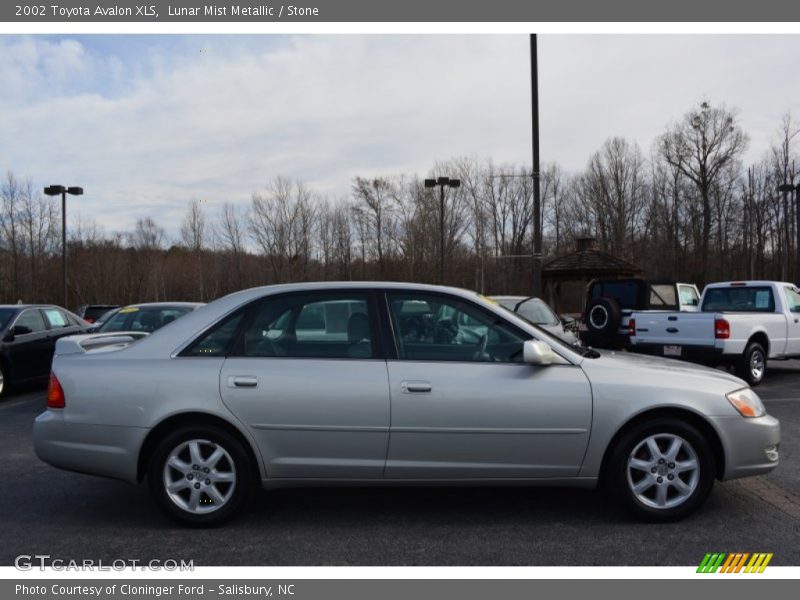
144 317
28 334
91 313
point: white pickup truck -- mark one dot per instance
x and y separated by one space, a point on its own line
742 323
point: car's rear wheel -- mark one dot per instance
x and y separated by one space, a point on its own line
200 475
4 383
662 470
753 364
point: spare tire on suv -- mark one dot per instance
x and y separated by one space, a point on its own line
604 316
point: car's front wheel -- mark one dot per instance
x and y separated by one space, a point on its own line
200 475
662 470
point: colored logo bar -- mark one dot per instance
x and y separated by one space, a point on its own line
734 562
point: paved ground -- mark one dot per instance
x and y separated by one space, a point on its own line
70 516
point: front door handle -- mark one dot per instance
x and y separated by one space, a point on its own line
242 381
415 387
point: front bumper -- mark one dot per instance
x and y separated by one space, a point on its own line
750 445
109 451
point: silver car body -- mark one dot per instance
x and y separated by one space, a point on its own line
312 420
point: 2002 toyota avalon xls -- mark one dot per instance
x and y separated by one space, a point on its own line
389 383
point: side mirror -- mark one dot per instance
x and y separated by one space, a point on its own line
568 321
21 330
536 352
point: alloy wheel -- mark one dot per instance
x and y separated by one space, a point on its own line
199 476
663 471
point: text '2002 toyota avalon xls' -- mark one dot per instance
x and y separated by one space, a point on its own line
389 383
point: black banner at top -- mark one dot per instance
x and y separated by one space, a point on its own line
399 11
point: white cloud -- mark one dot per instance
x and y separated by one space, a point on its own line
145 125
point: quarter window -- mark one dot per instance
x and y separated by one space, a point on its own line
441 328
56 318
218 341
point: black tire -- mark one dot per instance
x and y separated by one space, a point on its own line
236 461
5 382
619 484
746 366
604 316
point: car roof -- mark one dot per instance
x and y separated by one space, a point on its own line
21 306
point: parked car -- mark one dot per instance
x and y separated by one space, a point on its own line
28 334
92 313
610 302
538 312
351 382
144 317
741 323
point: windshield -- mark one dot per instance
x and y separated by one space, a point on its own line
537 312
143 318
545 335
5 316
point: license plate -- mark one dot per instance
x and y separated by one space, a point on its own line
672 350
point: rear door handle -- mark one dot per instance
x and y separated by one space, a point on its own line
415 387
242 381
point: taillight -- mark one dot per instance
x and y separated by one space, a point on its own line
55 393
88 319
632 327
722 329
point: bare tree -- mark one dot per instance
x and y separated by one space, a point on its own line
193 231
703 146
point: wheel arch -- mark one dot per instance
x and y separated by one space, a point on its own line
762 338
683 414
193 419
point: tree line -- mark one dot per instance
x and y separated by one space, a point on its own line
688 209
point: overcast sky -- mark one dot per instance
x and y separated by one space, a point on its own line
145 123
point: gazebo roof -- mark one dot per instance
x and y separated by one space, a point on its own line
587 261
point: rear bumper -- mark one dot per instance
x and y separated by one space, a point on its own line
750 445
707 354
103 450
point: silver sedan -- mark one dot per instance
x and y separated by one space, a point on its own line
389 383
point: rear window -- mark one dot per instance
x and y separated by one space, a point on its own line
626 293
739 299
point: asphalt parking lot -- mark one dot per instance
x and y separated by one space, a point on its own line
75 517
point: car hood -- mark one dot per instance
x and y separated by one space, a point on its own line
654 369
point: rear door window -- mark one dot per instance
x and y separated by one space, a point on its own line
32 319
316 325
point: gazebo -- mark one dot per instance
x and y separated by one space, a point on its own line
565 277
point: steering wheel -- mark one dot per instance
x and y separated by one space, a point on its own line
481 351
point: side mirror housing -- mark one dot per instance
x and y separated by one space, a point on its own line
567 321
536 352
21 330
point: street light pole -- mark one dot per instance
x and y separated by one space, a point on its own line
55 190
442 182
537 203
787 188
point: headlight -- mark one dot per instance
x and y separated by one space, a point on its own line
747 402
